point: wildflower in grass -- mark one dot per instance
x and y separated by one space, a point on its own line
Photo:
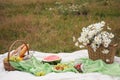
74 39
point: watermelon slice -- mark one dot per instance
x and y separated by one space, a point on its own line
51 59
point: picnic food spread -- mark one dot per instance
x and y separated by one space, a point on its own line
20 59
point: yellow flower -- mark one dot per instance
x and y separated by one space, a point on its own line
41 73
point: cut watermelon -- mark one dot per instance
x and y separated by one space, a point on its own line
52 59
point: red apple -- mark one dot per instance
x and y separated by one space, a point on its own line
78 67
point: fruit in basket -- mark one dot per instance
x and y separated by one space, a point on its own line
52 59
16 58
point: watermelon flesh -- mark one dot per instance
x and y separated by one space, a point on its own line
51 59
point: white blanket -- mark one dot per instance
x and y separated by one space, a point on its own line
19 75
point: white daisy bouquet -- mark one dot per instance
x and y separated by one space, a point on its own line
95 35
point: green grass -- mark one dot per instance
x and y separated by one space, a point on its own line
52 30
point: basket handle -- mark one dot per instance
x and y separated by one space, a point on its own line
22 41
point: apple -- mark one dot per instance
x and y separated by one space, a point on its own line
78 67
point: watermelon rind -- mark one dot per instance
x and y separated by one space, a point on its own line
52 62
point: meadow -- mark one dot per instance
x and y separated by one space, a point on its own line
49 25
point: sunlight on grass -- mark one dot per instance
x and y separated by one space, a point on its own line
49 25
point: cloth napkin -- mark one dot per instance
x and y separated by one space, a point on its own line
38 68
100 66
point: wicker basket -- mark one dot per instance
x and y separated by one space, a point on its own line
107 58
7 65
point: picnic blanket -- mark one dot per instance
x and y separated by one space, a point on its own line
66 57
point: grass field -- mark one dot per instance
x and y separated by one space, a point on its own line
49 25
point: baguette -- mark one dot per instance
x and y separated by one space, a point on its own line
23 51
16 51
